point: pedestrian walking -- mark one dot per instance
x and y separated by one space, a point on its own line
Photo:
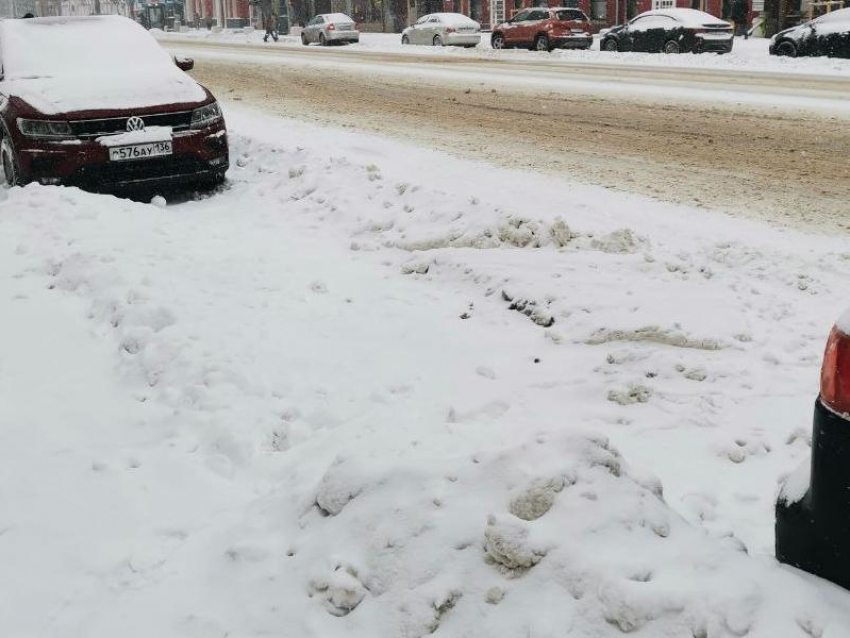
268 14
740 16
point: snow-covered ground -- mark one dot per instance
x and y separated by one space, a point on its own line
748 55
370 390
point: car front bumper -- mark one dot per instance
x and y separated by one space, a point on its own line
196 156
813 533
343 36
714 44
462 39
572 41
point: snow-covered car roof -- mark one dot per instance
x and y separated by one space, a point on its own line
337 17
62 64
452 18
688 17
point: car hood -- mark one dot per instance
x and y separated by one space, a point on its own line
616 28
795 33
99 92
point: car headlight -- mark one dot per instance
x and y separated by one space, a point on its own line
206 116
45 129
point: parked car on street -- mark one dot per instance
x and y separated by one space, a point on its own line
544 29
670 31
827 35
813 508
330 28
443 29
96 102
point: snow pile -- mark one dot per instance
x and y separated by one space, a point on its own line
291 423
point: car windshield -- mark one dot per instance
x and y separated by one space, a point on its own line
53 47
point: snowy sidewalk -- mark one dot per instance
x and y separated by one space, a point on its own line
366 391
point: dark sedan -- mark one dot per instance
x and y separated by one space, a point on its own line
96 102
670 31
827 35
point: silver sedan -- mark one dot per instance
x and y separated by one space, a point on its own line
443 29
329 28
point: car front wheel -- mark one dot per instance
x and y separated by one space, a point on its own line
405 40
787 49
497 41
9 163
610 45
672 47
438 41
304 40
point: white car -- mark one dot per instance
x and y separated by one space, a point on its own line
443 29
330 28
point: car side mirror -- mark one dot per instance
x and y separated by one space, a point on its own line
184 64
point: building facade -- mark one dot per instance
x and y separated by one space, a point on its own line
17 8
92 7
395 15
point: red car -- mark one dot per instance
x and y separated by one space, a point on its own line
96 102
543 29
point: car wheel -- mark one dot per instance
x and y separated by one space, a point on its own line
610 44
671 46
787 49
438 41
304 40
405 40
497 41
541 43
9 163
322 41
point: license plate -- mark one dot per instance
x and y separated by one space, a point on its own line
139 151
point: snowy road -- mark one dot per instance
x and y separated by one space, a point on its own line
758 143
374 390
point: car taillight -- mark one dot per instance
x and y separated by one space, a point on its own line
331 27
450 29
835 373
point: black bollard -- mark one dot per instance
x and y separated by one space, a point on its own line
813 525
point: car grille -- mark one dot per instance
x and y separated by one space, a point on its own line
90 129
112 173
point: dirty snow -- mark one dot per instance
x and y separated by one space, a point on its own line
322 403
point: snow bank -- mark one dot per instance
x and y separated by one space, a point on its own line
304 440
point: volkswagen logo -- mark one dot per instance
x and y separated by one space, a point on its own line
135 123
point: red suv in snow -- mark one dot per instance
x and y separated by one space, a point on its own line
543 29
96 102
